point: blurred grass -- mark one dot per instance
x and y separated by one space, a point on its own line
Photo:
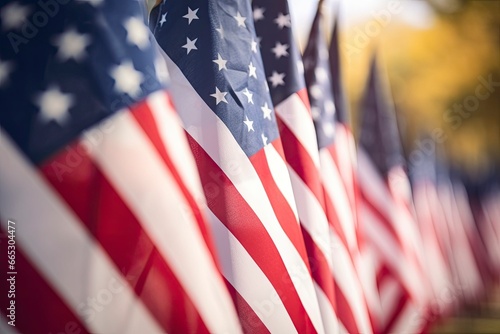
481 319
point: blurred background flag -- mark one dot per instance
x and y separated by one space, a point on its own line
220 90
386 214
457 214
485 205
433 228
282 57
97 174
351 306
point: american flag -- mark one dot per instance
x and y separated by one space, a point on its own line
281 55
221 92
350 303
485 203
98 177
386 215
432 225
462 235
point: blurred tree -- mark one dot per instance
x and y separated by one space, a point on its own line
435 71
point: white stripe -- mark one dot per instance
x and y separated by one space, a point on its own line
409 321
156 200
390 251
347 280
330 321
344 146
372 185
296 116
390 292
277 165
368 264
83 270
174 140
248 279
216 139
312 216
336 191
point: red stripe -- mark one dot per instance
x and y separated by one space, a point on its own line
398 309
344 311
304 98
301 162
101 210
250 321
233 211
146 120
281 207
382 275
381 218
38 307
319 268
334 221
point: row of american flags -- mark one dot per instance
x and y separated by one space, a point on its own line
188 170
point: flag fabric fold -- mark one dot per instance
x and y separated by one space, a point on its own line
339 200
100 181
386 215
221 91
274 28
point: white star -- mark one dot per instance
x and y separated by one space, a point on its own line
267 111
6 68
277 79
13 15
329 107
300 67
315 112
221 62
252 70
316 91
280 50
220 31
54 105
191 15
264 139
283 21
328 129
71 44
190 45
249 124
94 3
137 32
163 19
249 95
240 19
258 14
321 74
253 45
127 79
219 96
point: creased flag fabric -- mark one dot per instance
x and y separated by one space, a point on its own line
386 215
99 179
220 90
281 57
345 157
350 304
